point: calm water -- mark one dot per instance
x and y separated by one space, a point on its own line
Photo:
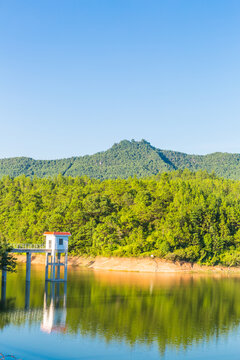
112 315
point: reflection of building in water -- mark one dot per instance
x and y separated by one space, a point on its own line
54 308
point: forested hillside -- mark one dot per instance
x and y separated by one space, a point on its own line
177 216
123 160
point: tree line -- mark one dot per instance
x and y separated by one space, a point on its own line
179 216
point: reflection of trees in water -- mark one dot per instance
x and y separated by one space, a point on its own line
175 314
173 311
5 309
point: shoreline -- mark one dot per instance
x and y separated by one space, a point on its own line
142 265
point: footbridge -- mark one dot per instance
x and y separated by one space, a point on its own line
55 248
29 249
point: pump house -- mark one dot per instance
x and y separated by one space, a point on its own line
56 245
57 241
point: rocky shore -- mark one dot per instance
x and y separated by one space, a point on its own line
148 264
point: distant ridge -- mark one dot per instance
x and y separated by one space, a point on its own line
122 160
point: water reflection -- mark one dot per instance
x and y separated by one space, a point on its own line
175 311
3 292
53 313
27 295
54 308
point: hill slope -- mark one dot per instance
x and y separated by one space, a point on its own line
127 158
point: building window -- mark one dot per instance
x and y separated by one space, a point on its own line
60 242
49 244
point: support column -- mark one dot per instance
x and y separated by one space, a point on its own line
57 293
65 295
3 292
46 267
27 295
45 299
4 275
65 267
52 292
53 266
28 267
58 266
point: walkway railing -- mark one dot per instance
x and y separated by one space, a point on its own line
54 262
28 246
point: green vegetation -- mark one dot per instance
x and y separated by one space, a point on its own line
177 216
128 158
7 260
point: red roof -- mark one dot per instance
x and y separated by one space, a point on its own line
56 233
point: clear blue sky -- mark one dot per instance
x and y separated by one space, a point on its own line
77 76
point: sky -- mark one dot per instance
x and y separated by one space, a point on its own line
77 76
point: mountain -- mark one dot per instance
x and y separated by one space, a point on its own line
125 159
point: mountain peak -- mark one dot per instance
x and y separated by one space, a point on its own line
124 159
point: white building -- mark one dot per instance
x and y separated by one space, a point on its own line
56 245
57 241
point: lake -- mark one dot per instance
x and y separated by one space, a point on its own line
119 315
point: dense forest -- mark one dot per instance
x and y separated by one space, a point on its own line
122 160
177 216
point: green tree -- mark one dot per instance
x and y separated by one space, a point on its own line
7 260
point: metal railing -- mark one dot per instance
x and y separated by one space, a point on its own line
28 246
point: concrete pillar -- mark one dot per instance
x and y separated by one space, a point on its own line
53 266
51 261
28 267
45 299
65 295
52 291
58 266
4 275
27 295
65 267
46 267
3 293
58 293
